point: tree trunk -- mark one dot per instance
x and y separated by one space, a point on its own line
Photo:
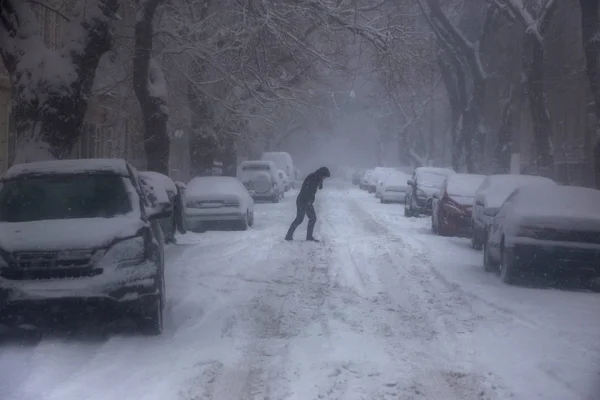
503 149
589 25
151 91
533 53
203 143
49 109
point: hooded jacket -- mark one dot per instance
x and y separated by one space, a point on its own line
310 185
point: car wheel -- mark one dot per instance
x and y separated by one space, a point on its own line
244 222
152 320
508 267
475 242
488 264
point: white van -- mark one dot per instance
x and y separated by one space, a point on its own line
261 179
282 160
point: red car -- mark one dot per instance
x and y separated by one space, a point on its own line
453 204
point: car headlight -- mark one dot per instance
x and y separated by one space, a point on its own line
132 250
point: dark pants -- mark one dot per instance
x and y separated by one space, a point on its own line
303 208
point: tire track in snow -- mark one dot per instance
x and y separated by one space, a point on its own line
411 312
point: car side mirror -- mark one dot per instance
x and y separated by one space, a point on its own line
159 211
479 203
410 182
490 212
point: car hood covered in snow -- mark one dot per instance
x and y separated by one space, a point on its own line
67 234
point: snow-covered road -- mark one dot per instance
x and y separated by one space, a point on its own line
381 309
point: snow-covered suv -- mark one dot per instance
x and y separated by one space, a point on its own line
76 231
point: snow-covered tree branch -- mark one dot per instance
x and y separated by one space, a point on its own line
51 87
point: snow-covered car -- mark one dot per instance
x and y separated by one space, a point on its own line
356 176
162 183
283 177
452 205
424 183
491 194
381 174
395 187
81 230
282 161
365 180
218 200
544 227
261 180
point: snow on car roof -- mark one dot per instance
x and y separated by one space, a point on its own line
115 165
434 170
464 184
203 185
160 181
558 200
514 180
501 186
397 178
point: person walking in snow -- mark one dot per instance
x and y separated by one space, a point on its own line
304 203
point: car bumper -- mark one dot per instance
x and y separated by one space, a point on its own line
558 256
123 284
456 225
396 197
271 194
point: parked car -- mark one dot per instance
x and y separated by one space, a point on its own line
176 222
366 179
544 227
218 200
76 232
356 176
261 179
282 161
381 174
283 177
395 187
491 194
452 205
424 183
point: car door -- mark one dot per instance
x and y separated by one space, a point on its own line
437 203
497 226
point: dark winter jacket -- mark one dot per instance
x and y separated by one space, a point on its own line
310 185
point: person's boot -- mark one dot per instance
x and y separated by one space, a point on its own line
312 239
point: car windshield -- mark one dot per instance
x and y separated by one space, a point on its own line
431 179
53 197
256 167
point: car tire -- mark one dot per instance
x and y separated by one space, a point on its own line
244 223
488 264
508 267
152 318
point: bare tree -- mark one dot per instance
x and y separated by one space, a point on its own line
536 24
150 88
590 24
51 87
